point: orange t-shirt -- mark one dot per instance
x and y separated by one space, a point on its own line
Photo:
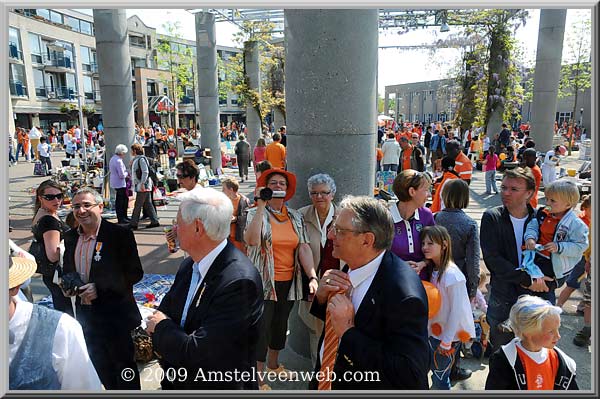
586 220
537 175
285 241
539 376
547 230
379 154
275 154
170 131
239 245
406 158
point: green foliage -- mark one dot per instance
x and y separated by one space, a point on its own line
232 74
177 60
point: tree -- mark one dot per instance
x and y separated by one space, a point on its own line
576 74
177 59
489 82
233 77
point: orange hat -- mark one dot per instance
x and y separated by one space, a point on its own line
291 179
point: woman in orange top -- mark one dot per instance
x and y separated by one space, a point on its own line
277 241
448 173
238 219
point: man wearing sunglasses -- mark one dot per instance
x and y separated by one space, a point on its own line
106 258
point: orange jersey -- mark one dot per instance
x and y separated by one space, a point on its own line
463 166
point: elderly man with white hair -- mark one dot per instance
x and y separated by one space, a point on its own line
209 321
118 174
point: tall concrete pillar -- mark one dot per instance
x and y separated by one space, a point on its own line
114 68
386 103
252 64
278 118
208 85
547 74
331 106
11 119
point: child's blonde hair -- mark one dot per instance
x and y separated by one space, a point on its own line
528 314
565 190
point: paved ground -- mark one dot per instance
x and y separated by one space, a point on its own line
156 259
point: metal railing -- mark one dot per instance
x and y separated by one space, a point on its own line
61 93
93 67
58 61
14 52
17 88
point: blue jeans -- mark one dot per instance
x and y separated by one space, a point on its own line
498 311
11 157
490 181
390 166
441 365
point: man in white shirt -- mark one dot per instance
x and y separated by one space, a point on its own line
47 350
77 134
43 150
377 310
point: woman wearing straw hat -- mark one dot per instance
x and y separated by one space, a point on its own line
278 246
46 348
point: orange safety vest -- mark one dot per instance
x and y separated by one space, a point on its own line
463 166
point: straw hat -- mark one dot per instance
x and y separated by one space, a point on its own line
19 270
291 179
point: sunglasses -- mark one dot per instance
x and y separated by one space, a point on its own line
50 197
181 176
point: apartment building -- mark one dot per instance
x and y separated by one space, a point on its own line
52 60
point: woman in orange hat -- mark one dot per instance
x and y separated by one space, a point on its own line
278 246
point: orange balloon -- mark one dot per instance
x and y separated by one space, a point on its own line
434 298
502 156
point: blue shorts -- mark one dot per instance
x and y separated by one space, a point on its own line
577 274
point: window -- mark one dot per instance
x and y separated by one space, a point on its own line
134 91
70 81
88 89
42 12
40 85
14 44
563 117
72 22
137 41
431 93
138 62
86 58
35 48
222 100
151 88
86 27
17 80
56 17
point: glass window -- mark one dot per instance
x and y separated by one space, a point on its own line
71 81
88 87
40 86
72 22
56 17
43 12
17 80
35 48
137 41
86 61
13 37
86 27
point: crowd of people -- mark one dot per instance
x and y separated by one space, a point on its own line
360 272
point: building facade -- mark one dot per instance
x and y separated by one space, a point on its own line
52 60
436 100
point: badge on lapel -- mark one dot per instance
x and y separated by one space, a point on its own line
97 257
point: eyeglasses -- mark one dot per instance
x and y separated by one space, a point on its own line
181 176
511 189
50 197
86 207
337 230
319 193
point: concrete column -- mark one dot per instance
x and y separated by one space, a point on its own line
331 106
252 63
208 85
386 103
278 118
11 119
114 68
547 75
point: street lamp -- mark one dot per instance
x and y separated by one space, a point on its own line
580 118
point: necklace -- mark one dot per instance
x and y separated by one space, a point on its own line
281 216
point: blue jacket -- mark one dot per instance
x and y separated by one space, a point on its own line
436 142
571 235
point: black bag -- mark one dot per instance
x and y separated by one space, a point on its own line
70 283
44 266
151 172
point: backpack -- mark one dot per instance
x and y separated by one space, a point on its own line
151 172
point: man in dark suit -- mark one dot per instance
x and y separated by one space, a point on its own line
105 256
208 323
378 309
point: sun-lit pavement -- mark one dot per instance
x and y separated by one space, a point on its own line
156 259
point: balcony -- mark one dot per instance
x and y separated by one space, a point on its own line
57 64
17 88
61 93
90 68
14 54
